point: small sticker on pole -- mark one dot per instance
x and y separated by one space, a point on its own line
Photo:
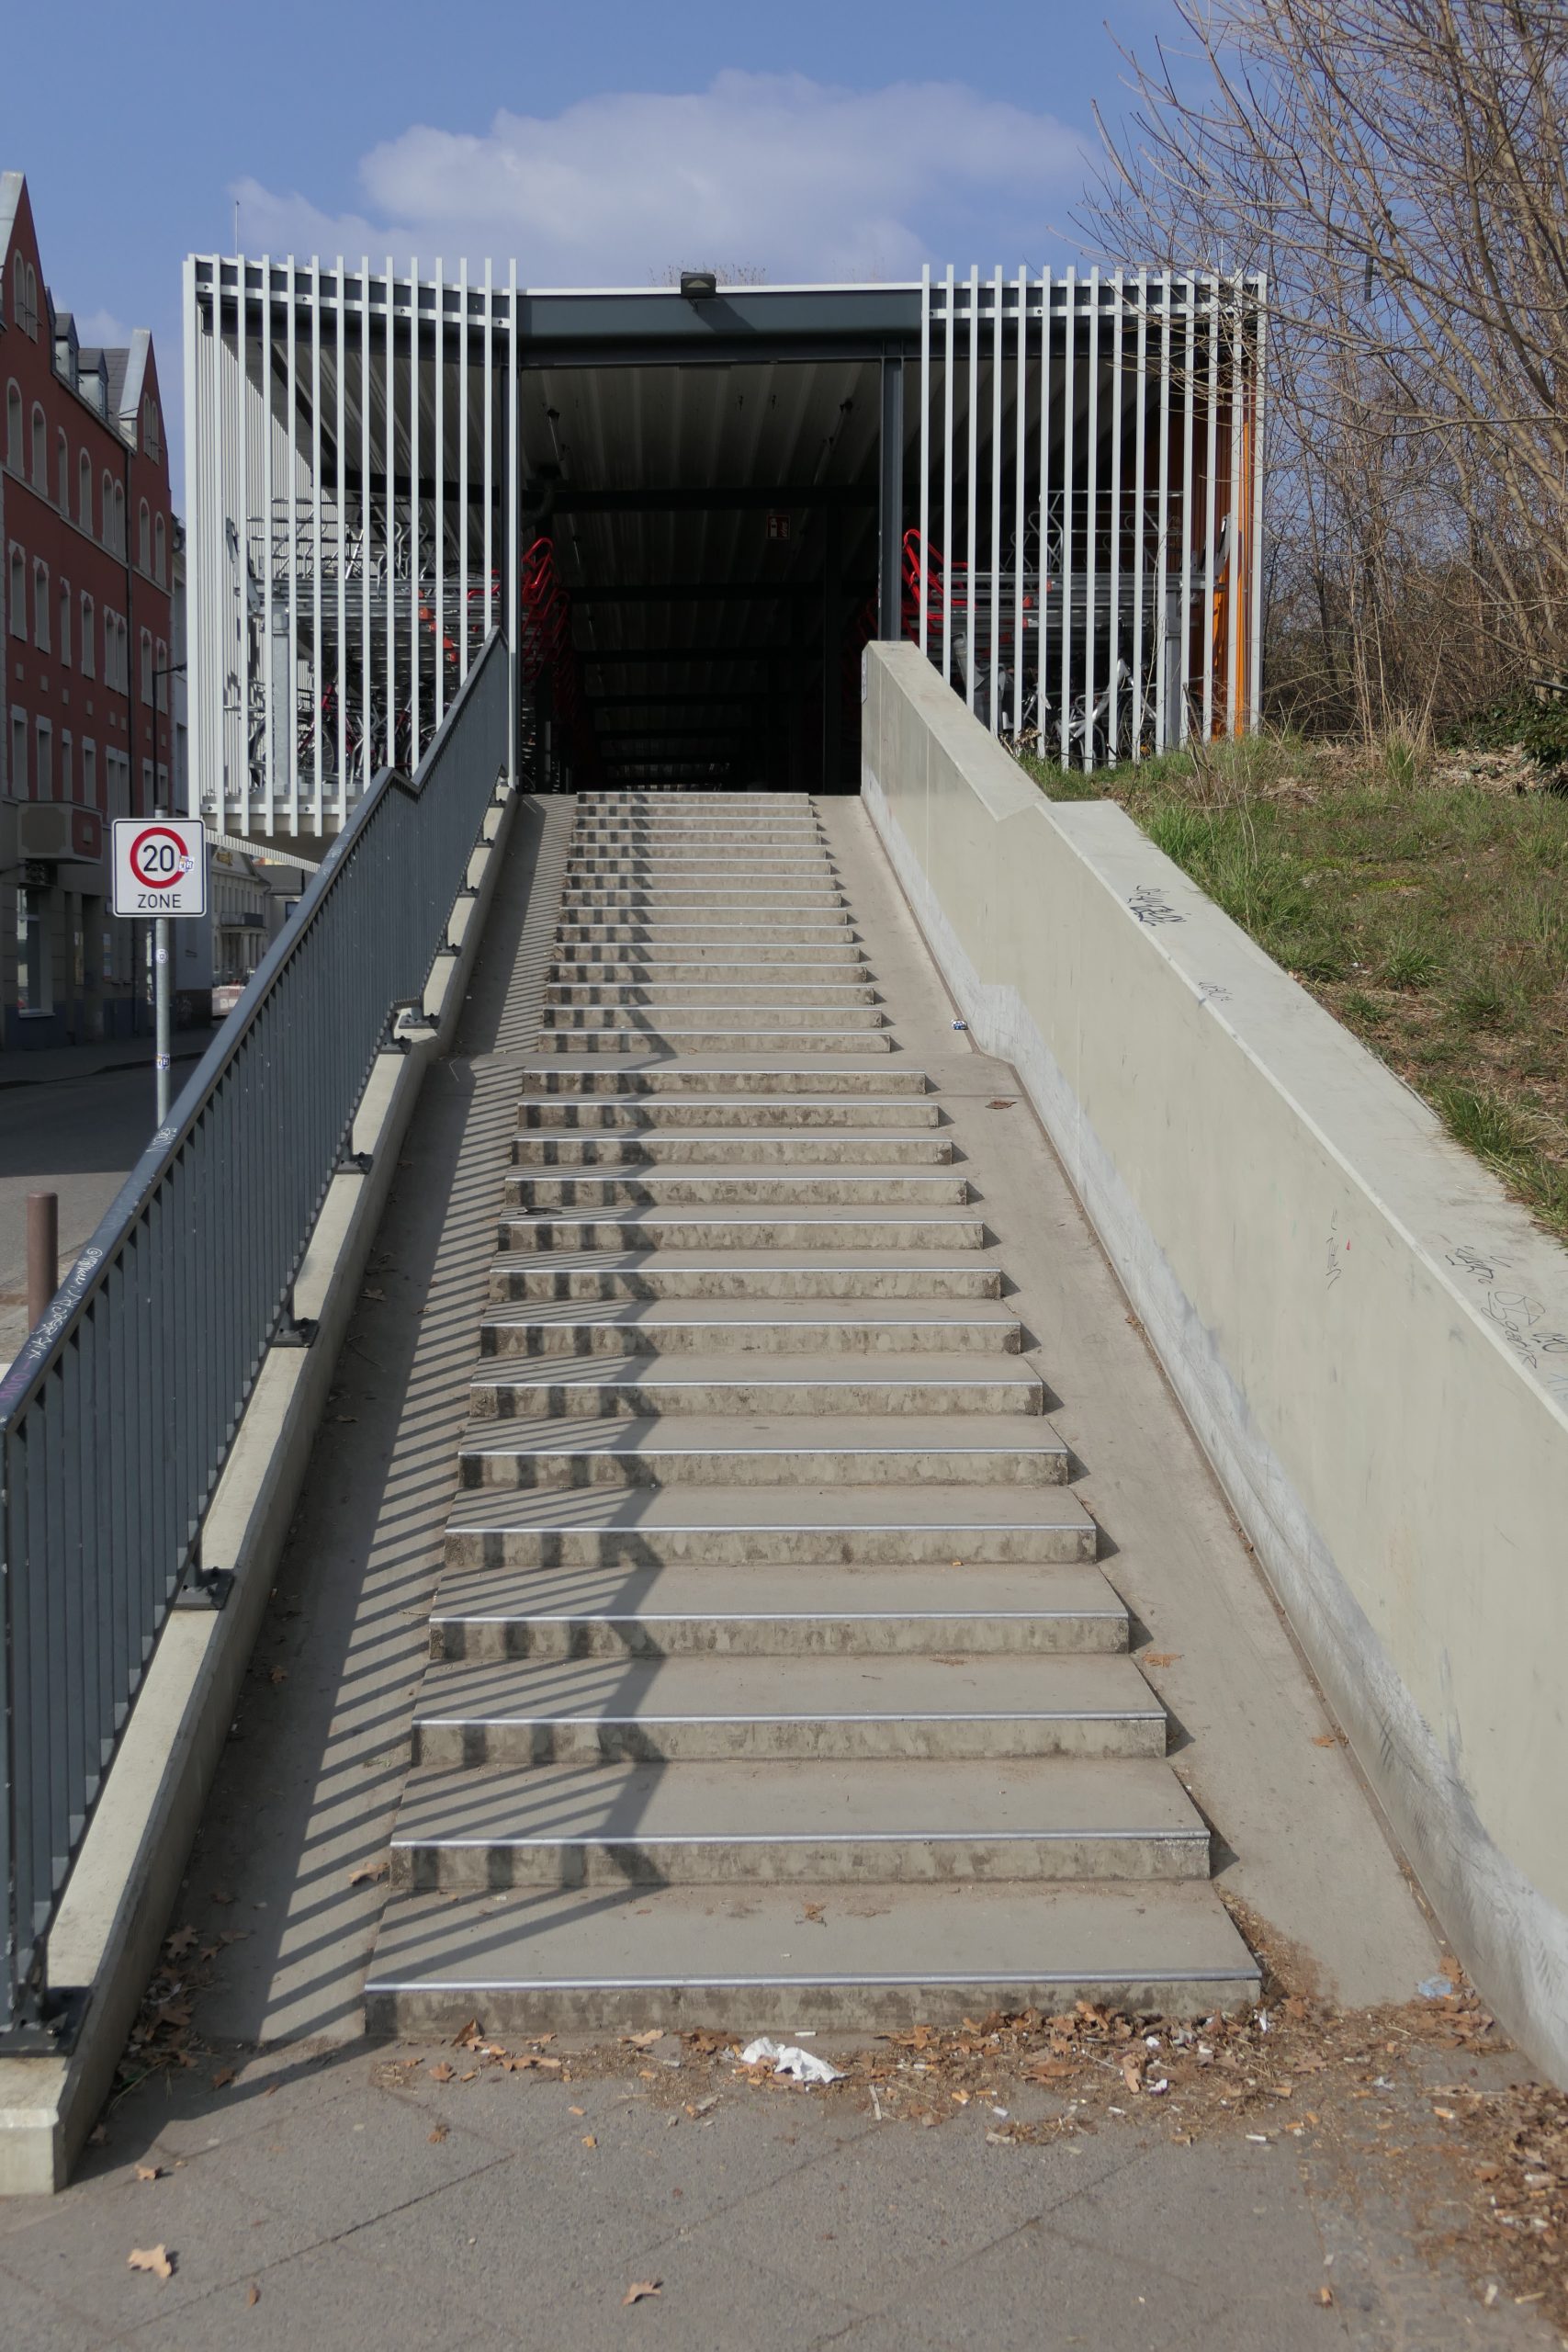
160 866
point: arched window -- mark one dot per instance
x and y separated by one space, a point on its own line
85 490
63 649
144 537
19 592
14 428
62 471
146 665
109 516
19 291
40 605
88 663
40 451
160 551
119 518
161 677
32 302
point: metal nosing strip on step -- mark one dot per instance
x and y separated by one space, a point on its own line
1177 1835
1090 1972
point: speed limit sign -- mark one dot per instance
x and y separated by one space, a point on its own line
160 865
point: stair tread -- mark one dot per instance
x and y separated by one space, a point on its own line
729 1261
1067 1796
649 1511
889 1687
663 1943
819 1434
744 1315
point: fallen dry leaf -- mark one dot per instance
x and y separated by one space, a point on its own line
577 2110
371 1871
1132 2073
642 2287
439 2134
588 2141
180 1942
441 2072
155 2259
252 2294
1002 1103
1161 1658
1328 1739
814 1912
221 1895
1325 2294
641 2040
149 2172
224 2075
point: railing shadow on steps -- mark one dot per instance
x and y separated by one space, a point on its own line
118 1415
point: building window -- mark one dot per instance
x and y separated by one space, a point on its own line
18 598
14 428
146 666
32 954
118 541
87 659
161 677
40 605
65 767
32 302
150 432
109 510
85 490
62 471
160 550
89 776
63 648
144 537
19 291
19 755
40 451
43 775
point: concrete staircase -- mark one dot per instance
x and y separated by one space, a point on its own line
773 1681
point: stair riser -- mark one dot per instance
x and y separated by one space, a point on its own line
835 1338
776 1861
681 969
535 1284
672 1038
780 1546
626 1397
674 1191
647 1118
593 2010
635 1085
671 899
717 942
558 1474
809 868
839 995
981 1738
559 1640
649 1014
719 1233
653 1150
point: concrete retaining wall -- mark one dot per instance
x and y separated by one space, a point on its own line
1370 1339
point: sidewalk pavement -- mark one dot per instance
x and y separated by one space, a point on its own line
56 1065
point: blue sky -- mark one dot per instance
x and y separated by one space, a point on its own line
601 142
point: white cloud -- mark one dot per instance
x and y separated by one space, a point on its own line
771 171
101 329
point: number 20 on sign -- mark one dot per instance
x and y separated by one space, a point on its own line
160 866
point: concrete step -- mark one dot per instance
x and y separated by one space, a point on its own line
667 971
761 959
755 1114
801 1229
761 868
691 1033
878 1957
748 1278
638 1013
1034 1820
660 1148
555 1450
741 1526
828 934
781 1612
844 1710
809 1186
640 1385
584 902
785 1329
678 1077
786 988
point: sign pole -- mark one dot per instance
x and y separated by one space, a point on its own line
161 1011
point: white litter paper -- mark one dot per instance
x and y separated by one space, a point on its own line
788 2058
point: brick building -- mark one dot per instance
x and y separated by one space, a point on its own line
87 734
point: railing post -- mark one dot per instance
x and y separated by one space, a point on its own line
43 1253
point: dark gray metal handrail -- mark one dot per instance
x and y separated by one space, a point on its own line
118 1415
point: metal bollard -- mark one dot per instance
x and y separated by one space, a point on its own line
43 1253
